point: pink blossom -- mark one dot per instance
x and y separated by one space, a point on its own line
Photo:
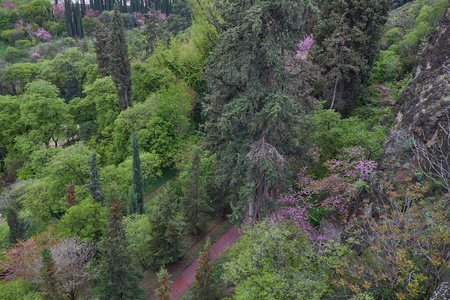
9 5
58 10
43 34
36 55
339 189
304 46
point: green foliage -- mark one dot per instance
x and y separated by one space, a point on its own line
275 261
163 292
86 220
137 175
17 226
13 55
138 232
331 134
94 184
120 176
251 120
51 288
165 240
194 204
9 121
72 84
117 278
15 77
119 62
386 67
204 286
10 35
36 11
346 42
147 80
18 289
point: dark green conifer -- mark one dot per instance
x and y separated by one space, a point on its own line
346 41
51 287
193 204
163 292
165 243
252 121
117 277
137 175
78 21
204 287
94 185
72 85
17 227
101 46
133 207
120 68
68 18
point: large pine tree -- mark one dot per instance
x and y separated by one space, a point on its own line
346 41
117 277
119 64
51 287
252 121
194 207
204 287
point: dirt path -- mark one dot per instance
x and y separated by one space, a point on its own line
182 282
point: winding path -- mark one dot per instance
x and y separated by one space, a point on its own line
182 282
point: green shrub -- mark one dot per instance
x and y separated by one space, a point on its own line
21 44
54 28
386 68
18 289
14 55
11 35
392 36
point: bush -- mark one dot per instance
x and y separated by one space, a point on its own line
13 55
386 68
11 35
392 36
21 44
138 232
18 289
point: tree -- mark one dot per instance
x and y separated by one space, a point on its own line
119 64
165 243
276 261
72 84
133 206
347 43
17 227
117 279
85 220
94 185
44 114
101 46
193 203
137 175
251 122
70 199
204 287
163 292
51 287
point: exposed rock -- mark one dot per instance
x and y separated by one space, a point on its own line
442 292
423 109
398 3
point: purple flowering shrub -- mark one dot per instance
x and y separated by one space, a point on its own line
304 46
335 192
41 33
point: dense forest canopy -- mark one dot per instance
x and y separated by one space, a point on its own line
132 130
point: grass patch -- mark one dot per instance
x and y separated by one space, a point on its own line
167 174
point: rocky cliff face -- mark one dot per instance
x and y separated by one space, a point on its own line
422 112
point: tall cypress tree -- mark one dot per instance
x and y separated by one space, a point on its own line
72 85
137 175
101 46
17 227
68 18
346 42
163 292
94 185
119 61
252 121
117 276
78 21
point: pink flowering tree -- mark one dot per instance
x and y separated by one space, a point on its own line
41 33
304 47
336 192
9 5
58 10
